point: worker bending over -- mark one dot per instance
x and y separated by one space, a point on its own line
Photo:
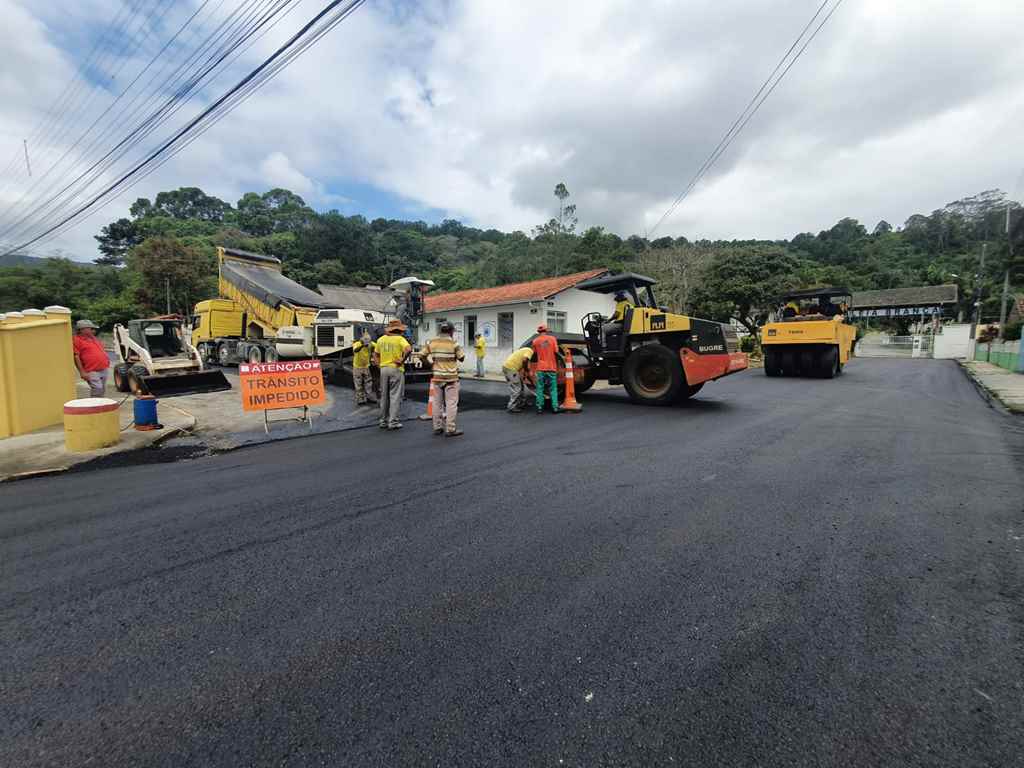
545 351
392 351
362 379
445 355
514 367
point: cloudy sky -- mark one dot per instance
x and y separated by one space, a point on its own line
475 109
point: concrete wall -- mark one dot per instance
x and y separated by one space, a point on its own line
1004 354
953 343
525 319
37 369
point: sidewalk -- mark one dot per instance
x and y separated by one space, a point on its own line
1004 386
42 451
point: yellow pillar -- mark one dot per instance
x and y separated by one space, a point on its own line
91 423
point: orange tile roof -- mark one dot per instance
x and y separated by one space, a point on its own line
516 293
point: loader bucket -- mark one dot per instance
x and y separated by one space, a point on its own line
172 385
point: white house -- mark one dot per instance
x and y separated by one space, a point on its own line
509 314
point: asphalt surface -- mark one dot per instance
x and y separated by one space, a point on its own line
782 572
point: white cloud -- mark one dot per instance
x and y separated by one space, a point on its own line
478 109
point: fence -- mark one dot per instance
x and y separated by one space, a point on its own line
884 345
1005 354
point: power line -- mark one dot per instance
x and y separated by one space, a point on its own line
326 20
752 107
69 102
186 79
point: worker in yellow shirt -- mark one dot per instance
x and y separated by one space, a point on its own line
393 349
612 329
514 367
362 379
622 305
480 345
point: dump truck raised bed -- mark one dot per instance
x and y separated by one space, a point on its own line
263 316
807 334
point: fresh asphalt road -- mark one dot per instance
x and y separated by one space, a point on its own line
782 572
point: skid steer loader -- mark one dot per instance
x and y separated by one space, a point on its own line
155 357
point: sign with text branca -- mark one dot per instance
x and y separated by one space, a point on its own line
292 384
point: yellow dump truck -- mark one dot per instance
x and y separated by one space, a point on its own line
807 334
263 316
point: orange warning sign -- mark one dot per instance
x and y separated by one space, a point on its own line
266 386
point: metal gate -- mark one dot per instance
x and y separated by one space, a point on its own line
885 345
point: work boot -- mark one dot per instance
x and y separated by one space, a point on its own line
438 431
455 433
395 426
382 425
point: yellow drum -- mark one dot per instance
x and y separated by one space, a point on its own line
91 423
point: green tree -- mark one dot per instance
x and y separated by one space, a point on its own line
114 241
164 267
742 281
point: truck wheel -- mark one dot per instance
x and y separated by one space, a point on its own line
122 372
136 380
653 375
772 364
808 362
271 355
828 363
223 354
788 362
255 355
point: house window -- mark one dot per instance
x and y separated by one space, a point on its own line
556 321
506 330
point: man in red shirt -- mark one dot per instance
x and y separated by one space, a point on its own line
91 358
545 349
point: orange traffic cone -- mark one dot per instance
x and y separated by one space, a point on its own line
570 403
429 414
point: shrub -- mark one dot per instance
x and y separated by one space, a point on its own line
1012 331
987 334
748 344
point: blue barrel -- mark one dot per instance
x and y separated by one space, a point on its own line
145 411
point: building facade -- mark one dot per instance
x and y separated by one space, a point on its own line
509 314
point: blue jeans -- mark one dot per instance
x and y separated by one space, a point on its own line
547 379
480 366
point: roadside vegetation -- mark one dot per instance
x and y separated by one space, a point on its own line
162 255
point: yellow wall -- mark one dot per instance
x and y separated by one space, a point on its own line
37 371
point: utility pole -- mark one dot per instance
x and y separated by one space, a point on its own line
167 287
1006 275
977 293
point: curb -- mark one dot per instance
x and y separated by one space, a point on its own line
990 398
165 435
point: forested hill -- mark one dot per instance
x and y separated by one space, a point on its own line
172 238
19 260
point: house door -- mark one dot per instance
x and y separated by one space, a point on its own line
506 330
470 329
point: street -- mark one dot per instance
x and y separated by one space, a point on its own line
780 572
